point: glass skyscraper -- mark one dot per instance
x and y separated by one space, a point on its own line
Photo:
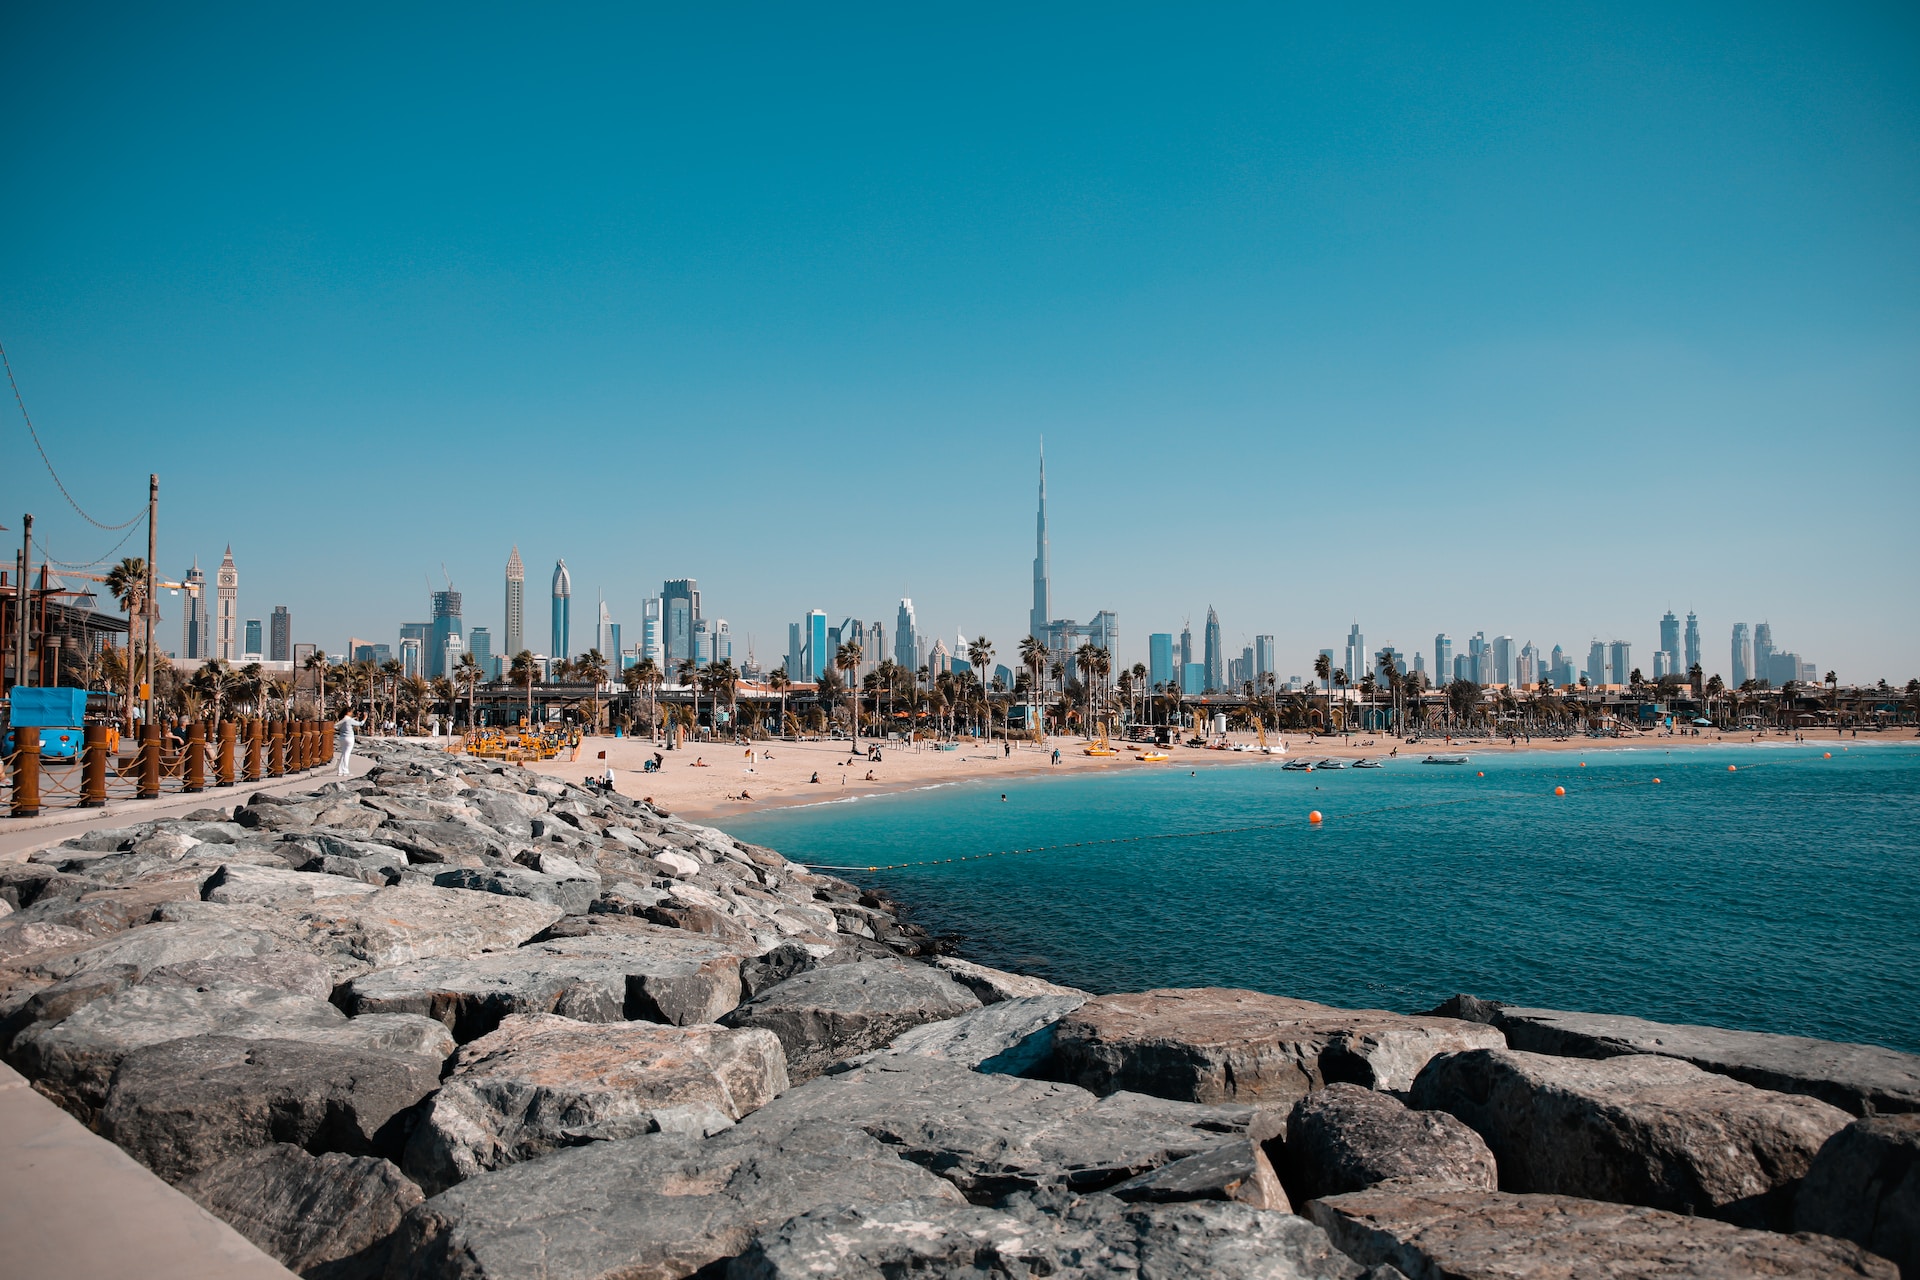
1160 659
445 626
516 605
562 612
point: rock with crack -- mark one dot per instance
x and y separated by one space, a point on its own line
184 1105
573 895
73 1061
240 884
1864 1186
1009 1037
541 1083
402 923
1094 1238
156 945
829 1013
1212 1044
995 985
1237 1170
1862 1079
994 1136
1637 1130
1345 1138
658 1206
1490 1235
659 976
328 1217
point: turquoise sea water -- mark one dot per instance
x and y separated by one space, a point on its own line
1783 896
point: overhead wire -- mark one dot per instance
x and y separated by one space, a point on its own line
17 399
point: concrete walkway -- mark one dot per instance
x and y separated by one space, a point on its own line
22 836
74 1206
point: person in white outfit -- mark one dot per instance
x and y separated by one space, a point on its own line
343 734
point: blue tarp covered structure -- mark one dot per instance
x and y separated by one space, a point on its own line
60 714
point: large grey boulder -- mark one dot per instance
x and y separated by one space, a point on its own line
1346 1138
1097 1237
572 894
1637 1130
183 1105
994 1135
242 884
156 945
1864 1186
995 985
402 923
327 1217
1237 1170
1010 1037
834 1012
1490 1235
1213 1044
541 1083
73 1061
658 976
655 1207
1859 1078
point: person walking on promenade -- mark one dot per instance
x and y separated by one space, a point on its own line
343 734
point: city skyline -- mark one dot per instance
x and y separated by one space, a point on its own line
1642 291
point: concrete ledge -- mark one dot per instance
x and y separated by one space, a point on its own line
75 1206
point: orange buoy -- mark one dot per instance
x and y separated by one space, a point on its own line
1480 775
1729 768
1826 755
1656 782
1583 764
1559 791
1314 817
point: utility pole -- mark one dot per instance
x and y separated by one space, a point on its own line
153 509
20 604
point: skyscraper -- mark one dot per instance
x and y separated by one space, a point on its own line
1263 657
480 645
226 637
651 643
1527 671
562 636
1479 659
1597 663
1763 651
193 639
1356 655
680 609
1503 655
1620 660
603 634
1670 643
1742 667
906 650
1160 659
251 649
445 627
817 657
1216 659
516 604
1693 642
1186 646
1042 587
1442 657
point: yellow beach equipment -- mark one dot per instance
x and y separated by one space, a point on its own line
1099 747
1153 757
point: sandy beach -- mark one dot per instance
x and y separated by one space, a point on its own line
710 780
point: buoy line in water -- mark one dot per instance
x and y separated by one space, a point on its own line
1315 819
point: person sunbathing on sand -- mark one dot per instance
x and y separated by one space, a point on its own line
698 763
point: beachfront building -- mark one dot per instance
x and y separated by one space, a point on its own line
679 610
193 617
562 612
226 636
906 648
445 626
1215 658
1442 656
1693 642
1160 671
280 635
1742 666
516 604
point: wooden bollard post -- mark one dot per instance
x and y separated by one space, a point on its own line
256 737
312 739
276 750
149 762
93 768
296 747
26 771
196 770
224 769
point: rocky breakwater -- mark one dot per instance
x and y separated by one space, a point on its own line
455 1020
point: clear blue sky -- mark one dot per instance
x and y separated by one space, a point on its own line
1538 320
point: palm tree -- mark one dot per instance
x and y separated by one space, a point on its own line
1139 682
980 654
525 672
780 682
720 681
689 672
127 584
1057 669
1339 679
847 659
467 677
1833 697
1323 671
390 675
1085 658
1033 656
591 668
317 663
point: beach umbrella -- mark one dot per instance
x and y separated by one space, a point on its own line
1703 722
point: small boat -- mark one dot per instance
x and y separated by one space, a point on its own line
1367 764
1330 763
1298 766
1099 748
1444 760
1153 757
